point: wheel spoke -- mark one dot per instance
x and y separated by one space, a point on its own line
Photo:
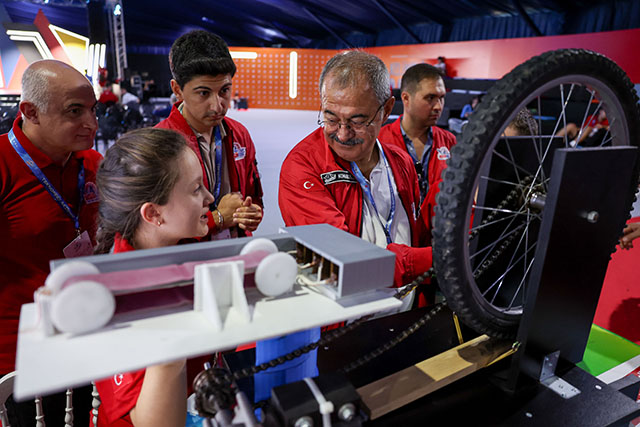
507 271
522 284
485 208
510 264
513 163
493 244
492 222
500 181
586 114
604 139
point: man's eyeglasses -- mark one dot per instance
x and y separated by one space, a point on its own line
333 125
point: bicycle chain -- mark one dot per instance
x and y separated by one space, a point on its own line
332 335
503 204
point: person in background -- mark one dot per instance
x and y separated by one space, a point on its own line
469 108
441 66
107 97
153 196
202 70
127 97
630 233
589 135
48 203
415 132
522 125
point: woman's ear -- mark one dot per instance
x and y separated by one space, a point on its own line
151 213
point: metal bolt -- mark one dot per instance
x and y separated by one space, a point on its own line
305 421
347 412
593 217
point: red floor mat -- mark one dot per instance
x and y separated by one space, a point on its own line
619 306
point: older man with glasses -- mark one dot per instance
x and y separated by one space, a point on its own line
341 175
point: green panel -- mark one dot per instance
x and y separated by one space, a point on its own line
606 350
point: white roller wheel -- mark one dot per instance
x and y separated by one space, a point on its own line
276 274
60 275
82 307
259 244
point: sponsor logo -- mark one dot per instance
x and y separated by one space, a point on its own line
443 153
239 152
91 193
337 176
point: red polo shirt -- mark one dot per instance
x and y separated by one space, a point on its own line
33 228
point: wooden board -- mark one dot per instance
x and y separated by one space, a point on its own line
401 388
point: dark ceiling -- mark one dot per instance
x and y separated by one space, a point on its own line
329 23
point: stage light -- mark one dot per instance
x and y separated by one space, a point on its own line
244 55
35 38
293 75
117 10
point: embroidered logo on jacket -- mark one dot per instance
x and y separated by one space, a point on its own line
337 176
239 152
443 153
91 193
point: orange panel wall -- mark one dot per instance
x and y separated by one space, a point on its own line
265 80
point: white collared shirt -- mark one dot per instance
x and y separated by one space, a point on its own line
372 224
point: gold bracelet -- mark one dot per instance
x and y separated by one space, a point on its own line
220 219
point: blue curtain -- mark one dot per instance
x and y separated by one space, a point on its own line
507 26
615 15
425 32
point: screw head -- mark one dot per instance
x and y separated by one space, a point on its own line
347 412
305 421
593 217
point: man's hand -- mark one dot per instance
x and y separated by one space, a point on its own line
248 216
630 232
227 206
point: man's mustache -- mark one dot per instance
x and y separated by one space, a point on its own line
350 142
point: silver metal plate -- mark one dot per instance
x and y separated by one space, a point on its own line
561 387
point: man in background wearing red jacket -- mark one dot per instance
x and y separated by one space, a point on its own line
415 132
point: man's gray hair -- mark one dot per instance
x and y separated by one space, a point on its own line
36 82
352 67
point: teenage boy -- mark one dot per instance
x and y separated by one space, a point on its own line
202 70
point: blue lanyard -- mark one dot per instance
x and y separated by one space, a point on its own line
367 190
422 165
26 158
218 148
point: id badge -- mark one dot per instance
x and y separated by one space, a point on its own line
80 246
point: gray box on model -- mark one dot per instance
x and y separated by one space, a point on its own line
363 265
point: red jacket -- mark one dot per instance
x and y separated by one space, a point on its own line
33 228
391 135
317 187
241 155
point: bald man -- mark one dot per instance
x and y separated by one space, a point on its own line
48 195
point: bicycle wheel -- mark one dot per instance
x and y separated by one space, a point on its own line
488 211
